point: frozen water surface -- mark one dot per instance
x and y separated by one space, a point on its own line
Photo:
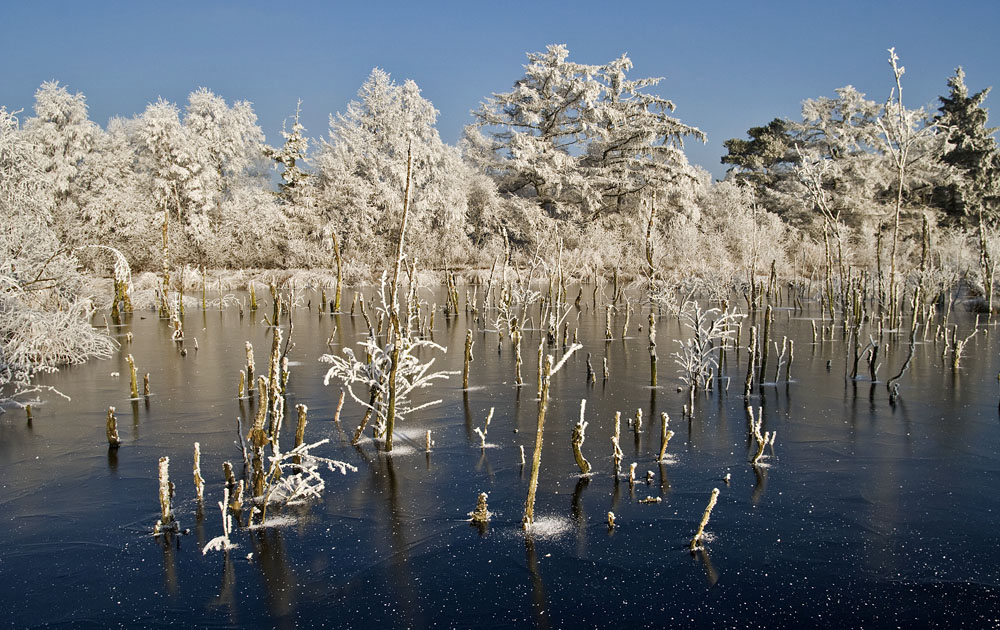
866 514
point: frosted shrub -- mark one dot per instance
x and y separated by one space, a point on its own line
606 248
663 297
741 237
682 248
253 230
696 359
373 373
41 341
294 478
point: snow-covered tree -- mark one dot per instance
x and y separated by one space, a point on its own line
838 163
289 157
909 138
361 173
840 166
638 147
195 166
64 137
42 323
115 201
583 141
973 153
232 141
26 239
241 224
174 163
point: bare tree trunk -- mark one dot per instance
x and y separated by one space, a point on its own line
536 458
390 416
900 172
340 277
986 267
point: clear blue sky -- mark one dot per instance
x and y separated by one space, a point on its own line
727 65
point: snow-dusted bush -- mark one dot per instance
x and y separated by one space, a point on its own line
252 230
382 396
740 237
697 359
295 478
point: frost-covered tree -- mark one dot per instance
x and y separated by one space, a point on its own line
638 146
232 142
842 168
491 219
582 141
115 202
307 243
973 153
361 174
762 159
174 163
242 224
839 174
25 206
195 167
64 138
908 138
289 157
838 168
42 322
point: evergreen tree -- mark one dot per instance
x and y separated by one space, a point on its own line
974 153
755 160
289 157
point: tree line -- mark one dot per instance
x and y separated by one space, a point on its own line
574 158
572 149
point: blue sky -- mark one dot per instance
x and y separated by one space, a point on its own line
727 65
